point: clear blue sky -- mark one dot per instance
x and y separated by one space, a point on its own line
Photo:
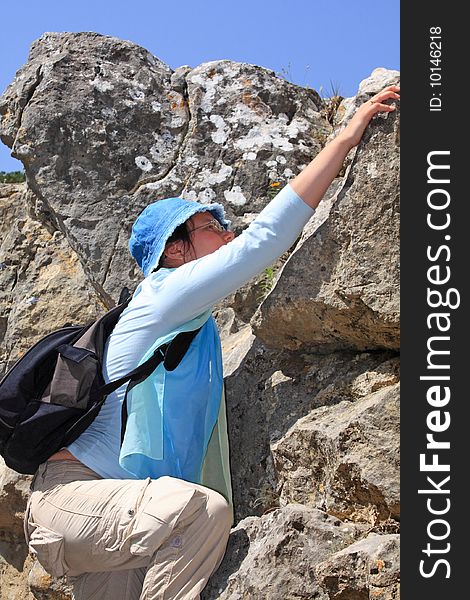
310 42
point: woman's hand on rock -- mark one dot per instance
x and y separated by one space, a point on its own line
355 128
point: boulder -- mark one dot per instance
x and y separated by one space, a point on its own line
42 283
274 556
340 287
270 391
367 570
345 459
103 128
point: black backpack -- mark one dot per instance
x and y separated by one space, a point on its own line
53 392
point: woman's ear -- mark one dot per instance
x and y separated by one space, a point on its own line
173 255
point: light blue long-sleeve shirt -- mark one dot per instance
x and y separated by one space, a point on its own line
167 299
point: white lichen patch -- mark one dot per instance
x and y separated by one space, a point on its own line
281 159
156 106
189 195
177 122
205 196
163 148
155 152
235 196
170 181
108 112
210 85
249 156
220 136
191 160
288 173
243 115
207 178
274 133
372 170
102 85
143 163
255 139
136 94
272 165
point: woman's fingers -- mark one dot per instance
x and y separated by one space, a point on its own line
376 103
368 110
392 91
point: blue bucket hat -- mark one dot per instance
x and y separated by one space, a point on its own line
157 222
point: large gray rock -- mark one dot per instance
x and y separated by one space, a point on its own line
275 556
14 493
42 283
82 116
345 459
340 287
269 391
103 128
367 570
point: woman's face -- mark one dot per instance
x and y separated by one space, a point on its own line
205 236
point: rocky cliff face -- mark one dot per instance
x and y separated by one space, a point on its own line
311 346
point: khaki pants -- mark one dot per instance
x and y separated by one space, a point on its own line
125 539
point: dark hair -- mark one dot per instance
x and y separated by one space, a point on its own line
181 233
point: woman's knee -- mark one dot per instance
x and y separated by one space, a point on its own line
218 510
193 503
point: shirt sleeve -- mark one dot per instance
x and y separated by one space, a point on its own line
196 286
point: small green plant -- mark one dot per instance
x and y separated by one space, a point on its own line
274 188
333 91
12 177
331 100
269 278
266 284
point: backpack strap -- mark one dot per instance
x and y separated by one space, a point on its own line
170 354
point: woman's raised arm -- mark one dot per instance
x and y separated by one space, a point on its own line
312 183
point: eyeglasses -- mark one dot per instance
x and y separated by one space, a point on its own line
213 224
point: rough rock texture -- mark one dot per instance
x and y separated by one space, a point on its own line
14 567
275 556
349 297
14 560
271 391
103 128
14 492
367 570
344 459
42 283
44 587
